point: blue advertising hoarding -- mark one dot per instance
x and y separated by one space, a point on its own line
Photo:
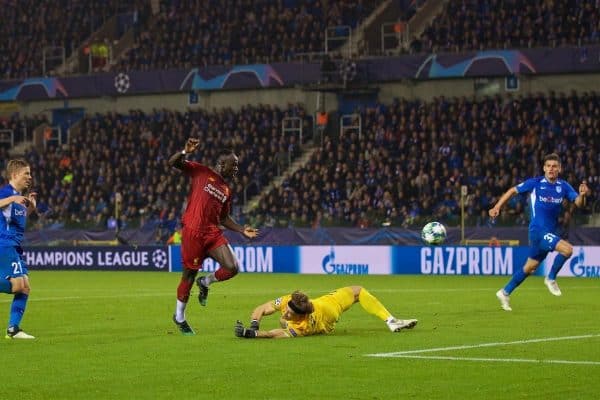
459 260
584 263
258 259
109 258
373 260
325 260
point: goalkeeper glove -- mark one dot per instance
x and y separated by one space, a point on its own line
241 331
254 324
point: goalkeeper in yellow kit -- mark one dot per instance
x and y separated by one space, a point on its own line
301 316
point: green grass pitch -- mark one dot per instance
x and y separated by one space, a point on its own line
109 335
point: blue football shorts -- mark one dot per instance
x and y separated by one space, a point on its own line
542 243
12 264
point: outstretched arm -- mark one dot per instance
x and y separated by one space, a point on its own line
247 231
495 211
262 310
253 332
273 334
241 331
178 158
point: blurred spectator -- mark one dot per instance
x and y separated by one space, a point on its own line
127 153
494 242
188 34
502 24
406 167
100 54
413 157
175 238
30 26
21 127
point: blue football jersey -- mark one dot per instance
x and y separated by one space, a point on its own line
14 217
545 202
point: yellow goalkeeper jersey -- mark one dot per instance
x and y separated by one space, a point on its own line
327 311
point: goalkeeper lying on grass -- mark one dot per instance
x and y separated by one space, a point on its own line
301 316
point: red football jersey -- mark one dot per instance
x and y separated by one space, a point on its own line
209 200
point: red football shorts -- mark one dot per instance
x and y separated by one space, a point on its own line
196 245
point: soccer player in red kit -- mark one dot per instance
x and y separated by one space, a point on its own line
208 208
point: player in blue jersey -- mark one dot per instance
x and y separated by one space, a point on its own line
13 271
546 195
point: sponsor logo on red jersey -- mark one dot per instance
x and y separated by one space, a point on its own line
216 192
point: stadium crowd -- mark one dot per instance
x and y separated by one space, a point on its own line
412 158
406 165
500 24
80 183
29 26
21 128
188 34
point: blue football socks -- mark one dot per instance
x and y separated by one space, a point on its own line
559 261
517 278
17 309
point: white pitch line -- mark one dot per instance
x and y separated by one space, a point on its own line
514 360
475 346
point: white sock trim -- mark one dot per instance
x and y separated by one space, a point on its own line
180 311
208 279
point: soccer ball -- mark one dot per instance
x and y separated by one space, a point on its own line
433 233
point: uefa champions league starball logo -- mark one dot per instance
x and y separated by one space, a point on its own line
159 259
122 82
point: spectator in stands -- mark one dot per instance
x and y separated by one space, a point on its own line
185 35
406 164
489 24
494 242
112 151
413 157
175 238
31 26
